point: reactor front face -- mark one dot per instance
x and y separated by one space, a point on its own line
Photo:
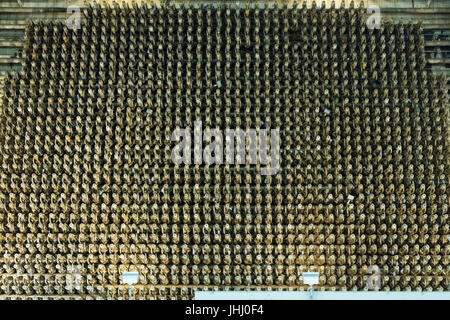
225 148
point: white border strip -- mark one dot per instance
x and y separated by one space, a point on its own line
320 295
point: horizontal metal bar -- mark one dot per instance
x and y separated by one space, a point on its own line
13 26
11 44
33 10
438 61
10 61
434 43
